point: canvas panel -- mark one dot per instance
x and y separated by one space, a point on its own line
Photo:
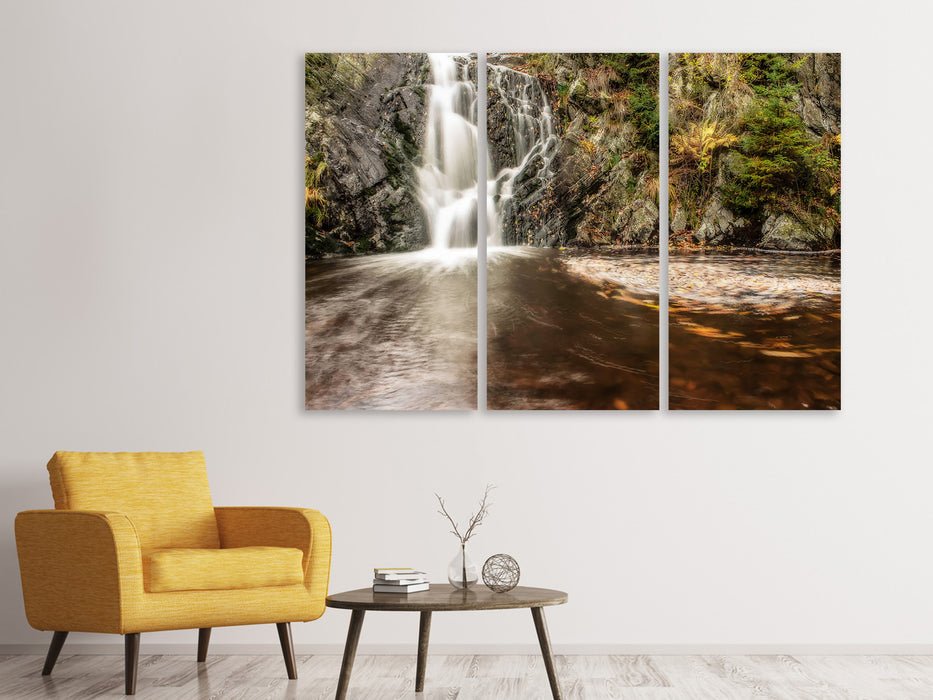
572 263
390 231
755 231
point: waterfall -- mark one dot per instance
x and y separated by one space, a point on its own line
447 177
534 144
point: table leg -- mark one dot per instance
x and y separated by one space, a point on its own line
545 641
349 652
424 631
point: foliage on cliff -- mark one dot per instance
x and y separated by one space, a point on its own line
754 150
364 116
606 112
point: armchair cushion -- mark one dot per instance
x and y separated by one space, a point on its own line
223 569
164 494
303 528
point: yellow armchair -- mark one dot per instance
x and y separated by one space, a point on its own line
135 545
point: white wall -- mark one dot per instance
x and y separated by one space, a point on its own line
151 297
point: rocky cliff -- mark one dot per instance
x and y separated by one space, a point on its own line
572 139
596 182
754 150
364 129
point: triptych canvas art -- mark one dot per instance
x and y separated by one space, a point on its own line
570 190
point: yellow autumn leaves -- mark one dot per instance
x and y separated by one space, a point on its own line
697 145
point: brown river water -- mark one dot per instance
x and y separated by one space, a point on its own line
572 330
558 338
395 331
754 331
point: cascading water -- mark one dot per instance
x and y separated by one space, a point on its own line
448 176
531 154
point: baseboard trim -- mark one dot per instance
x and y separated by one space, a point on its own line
497 649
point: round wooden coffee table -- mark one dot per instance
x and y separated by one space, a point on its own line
443 597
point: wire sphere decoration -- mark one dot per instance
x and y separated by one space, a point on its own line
501 573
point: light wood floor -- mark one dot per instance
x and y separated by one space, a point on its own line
480 677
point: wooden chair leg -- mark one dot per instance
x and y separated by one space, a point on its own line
204 639
58 641
288 650
131 657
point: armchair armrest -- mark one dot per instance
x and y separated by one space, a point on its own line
301 528
79 569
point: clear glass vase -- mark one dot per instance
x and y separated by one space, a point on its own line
462 572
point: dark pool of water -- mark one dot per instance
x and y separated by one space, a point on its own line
558 341
755 332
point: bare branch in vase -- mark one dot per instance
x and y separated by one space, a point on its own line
475 519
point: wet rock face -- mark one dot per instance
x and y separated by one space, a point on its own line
786 232
679 221
819 101
593 186
637 223
721 227
531 216
523 149
500 134
364 115
515 111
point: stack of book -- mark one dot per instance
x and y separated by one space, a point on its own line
399 581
